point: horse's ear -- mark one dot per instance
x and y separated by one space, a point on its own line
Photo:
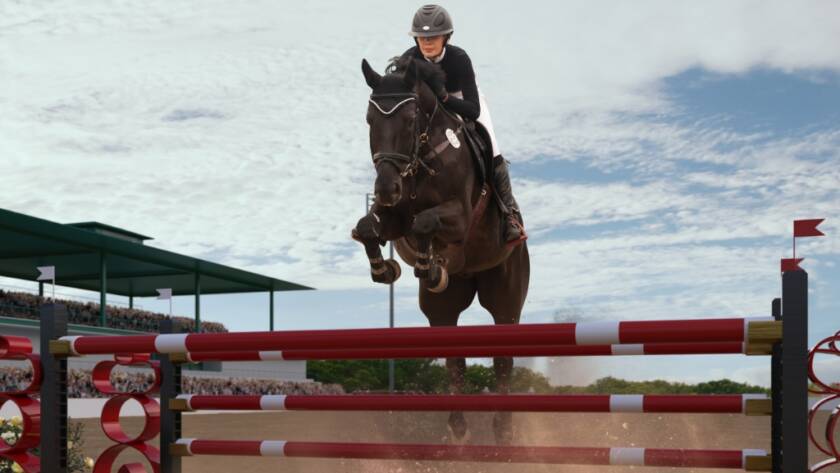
410 77
371 77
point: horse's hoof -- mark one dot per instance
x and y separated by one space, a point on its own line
395 270
443 282
455 439
504 438
388 273
503 428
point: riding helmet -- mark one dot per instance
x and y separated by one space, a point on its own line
431 20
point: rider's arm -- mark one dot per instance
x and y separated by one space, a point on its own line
468 107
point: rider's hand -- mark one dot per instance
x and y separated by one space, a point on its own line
442 95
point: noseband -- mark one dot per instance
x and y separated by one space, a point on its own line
407 164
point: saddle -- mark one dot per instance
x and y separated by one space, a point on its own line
481 150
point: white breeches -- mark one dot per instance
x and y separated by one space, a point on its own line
484 119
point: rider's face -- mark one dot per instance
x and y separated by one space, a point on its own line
431 46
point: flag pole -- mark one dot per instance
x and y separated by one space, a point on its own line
47 273
166 294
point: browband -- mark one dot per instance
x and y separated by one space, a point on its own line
393 109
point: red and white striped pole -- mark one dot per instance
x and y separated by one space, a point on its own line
735 459
719 348
710 404
581 334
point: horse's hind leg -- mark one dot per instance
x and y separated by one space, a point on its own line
503 421
443 309
502 291
457 368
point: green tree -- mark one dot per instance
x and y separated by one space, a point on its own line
430 376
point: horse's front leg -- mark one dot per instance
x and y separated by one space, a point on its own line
372 231
445 222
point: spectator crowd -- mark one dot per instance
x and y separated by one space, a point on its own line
27 306
80 384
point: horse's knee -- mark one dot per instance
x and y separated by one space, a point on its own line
367 228
426 223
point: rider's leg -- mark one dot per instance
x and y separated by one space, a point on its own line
513 227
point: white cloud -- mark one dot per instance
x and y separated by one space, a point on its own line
236 131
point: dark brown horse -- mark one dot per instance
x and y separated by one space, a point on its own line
431 202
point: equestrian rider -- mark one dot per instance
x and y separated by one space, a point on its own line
431 29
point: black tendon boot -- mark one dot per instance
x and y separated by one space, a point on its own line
514 231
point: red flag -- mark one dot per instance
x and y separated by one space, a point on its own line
807 228
791 264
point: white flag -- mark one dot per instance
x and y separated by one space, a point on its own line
164 294
47 273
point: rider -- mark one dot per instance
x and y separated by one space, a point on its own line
431 29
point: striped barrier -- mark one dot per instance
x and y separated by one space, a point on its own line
734 459
719 348
786 344
750 404
761 330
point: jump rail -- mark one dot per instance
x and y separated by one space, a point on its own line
719 348
759 330
749 404
753 460
789 387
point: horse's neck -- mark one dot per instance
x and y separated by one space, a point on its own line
464 153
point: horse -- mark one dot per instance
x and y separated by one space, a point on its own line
430 200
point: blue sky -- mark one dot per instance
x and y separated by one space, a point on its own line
659 150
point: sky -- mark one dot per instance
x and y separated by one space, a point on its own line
659 150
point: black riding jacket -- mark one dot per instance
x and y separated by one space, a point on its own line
460 77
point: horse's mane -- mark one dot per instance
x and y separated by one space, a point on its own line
428 72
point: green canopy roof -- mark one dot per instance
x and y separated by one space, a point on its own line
133 269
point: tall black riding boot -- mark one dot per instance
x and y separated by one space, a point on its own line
514 231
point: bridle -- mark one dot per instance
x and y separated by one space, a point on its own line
409 164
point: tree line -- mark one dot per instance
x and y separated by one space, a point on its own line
430 377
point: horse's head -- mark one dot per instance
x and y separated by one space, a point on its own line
399 112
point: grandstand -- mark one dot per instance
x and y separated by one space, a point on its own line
93 256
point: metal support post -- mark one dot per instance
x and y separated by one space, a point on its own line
170 421
197 302
794 416
103 286
53 391
271 309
